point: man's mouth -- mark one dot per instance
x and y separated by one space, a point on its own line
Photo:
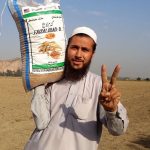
77 61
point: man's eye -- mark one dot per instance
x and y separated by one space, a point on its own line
73 47
85 50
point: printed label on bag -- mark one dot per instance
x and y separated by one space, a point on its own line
46 38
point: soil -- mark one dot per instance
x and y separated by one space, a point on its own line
16 121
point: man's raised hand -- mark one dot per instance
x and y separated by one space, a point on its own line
109 96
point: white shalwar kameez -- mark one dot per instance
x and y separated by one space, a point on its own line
68 116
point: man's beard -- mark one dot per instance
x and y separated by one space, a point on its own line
72 74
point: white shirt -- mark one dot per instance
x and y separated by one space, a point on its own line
68 116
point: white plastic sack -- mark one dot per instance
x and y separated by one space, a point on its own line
42 40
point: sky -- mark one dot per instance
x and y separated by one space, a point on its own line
122 27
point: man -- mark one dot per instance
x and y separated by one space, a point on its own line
69 114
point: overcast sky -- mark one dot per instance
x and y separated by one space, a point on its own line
122 27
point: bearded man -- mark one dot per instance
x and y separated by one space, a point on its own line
70 114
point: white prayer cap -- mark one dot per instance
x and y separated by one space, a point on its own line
86 31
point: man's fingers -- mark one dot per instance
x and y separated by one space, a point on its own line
104 74
115 74
105 94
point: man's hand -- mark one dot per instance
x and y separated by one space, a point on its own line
109 96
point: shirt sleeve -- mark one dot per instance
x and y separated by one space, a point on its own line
40 107
116 122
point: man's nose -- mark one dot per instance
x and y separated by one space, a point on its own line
78 53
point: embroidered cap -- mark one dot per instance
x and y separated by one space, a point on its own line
87 31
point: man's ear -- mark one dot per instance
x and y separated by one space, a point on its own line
93 54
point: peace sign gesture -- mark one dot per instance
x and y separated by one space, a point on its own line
109 95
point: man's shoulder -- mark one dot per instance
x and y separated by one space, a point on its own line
93 81
93 77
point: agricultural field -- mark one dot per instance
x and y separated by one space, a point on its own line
16 122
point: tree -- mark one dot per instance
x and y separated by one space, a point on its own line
147 79
18 73
138 79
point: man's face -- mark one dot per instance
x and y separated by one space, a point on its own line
80 52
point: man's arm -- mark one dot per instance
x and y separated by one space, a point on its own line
112 112
40 107
116 122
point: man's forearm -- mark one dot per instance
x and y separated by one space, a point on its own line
40 107
117 122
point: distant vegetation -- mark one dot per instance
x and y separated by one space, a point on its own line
132 79
18 73
11 73
140 79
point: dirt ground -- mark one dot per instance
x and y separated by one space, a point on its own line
16 122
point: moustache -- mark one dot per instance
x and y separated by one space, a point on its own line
77 59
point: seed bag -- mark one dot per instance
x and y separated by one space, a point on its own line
42 40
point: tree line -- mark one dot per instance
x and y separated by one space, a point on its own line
139 79
17 73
